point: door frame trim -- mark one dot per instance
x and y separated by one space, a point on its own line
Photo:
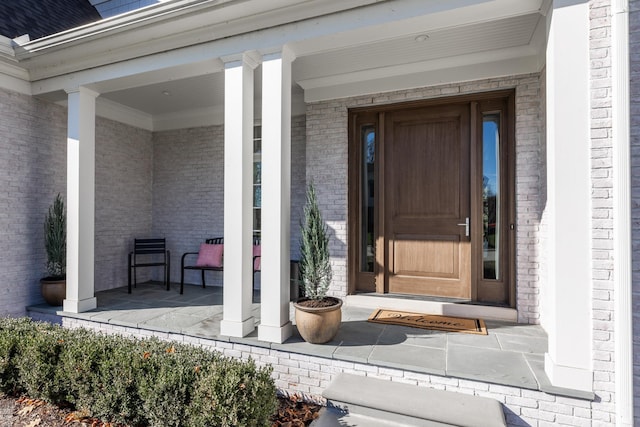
353 179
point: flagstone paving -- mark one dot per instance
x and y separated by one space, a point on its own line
511 354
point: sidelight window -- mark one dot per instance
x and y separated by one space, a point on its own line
491 196
368 136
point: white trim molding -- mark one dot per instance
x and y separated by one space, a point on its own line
568 363
622 213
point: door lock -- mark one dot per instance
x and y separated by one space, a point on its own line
466 226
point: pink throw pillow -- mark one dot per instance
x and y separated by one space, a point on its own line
257 254
209 255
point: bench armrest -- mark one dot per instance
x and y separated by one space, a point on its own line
184 256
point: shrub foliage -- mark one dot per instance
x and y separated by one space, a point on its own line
138 382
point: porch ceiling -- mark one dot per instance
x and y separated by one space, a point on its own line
445 46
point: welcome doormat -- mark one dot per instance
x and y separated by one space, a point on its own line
429 321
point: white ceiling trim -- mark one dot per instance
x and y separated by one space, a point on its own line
123 114
424 78
189 119
308 29
15 84
513 53
213 116
162 28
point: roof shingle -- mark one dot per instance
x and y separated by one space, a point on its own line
40 18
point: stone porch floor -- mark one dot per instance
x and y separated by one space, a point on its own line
511 354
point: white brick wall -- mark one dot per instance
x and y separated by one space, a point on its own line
327 142
124 159
634 50
308 376
188 190
602 212
32 171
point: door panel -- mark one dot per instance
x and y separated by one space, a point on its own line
427 186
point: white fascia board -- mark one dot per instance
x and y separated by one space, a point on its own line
414 76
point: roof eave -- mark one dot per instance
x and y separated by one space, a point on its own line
165 26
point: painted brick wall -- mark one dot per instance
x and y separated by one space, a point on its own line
188 190
298 180
124 158
188 201
327 142
308 376
32 171
634 50
603 409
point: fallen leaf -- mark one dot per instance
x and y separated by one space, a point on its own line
26 409
34 423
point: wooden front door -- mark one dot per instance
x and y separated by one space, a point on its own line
427 201
431 198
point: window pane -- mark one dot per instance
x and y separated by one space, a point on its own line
491 220
257 196
257 173
257 179
257 220
368 159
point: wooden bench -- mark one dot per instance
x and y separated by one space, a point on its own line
146 254
203 269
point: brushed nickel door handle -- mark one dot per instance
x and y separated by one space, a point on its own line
466 226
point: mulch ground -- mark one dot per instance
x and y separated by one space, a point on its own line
25 412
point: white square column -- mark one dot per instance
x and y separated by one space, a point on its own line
81 166
238 192
275 325
566 313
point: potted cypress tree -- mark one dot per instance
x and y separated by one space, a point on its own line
54 286
318 316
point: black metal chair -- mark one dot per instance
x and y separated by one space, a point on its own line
146 253
203 269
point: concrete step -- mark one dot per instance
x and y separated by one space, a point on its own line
443 308
365 399
333 417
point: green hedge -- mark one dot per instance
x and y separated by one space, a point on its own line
139 382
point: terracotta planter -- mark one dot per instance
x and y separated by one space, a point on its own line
318 325
54 291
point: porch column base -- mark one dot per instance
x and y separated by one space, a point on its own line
276 334
232 328
568 376
79 306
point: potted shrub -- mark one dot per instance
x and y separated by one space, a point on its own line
318 316
54 286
